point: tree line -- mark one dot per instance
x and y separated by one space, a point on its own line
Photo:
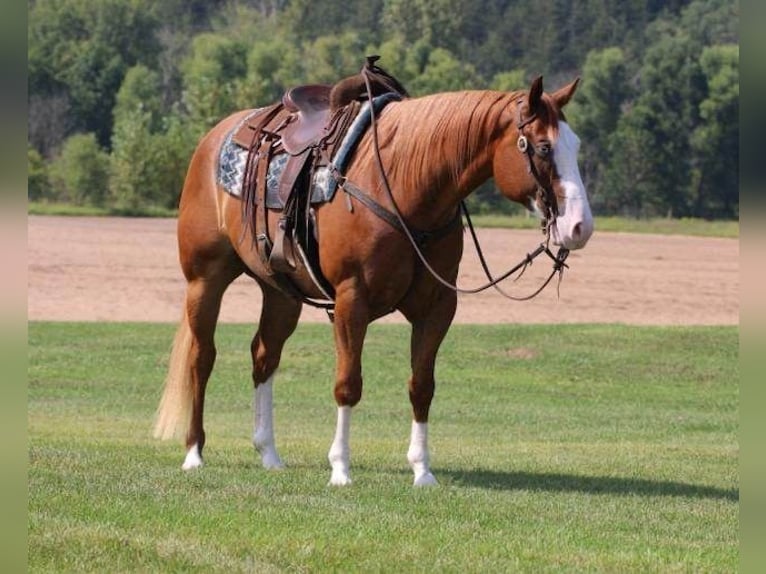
120 91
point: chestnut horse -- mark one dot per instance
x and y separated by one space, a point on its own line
435 151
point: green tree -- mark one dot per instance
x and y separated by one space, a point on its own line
629 181
443 72
271 69
659 128
133 178
438 23
671 86
711 22
330 58
404 60
210 77
509 81
715 142
38 186
525 24
595 112
141 90
82 48
80 174
170 150
149 150
305 21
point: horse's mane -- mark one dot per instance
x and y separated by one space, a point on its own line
438 135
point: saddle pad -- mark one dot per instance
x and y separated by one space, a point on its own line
232 159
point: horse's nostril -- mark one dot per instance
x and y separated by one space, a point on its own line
577 231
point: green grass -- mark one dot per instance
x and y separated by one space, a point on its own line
558 448
48 208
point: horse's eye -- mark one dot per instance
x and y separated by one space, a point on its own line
543 148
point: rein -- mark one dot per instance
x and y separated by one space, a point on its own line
545 191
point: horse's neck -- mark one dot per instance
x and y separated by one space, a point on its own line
448 144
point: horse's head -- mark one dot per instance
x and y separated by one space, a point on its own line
535 164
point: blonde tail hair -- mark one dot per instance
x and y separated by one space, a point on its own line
174 413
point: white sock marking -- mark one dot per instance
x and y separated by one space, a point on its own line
340 454
193 458
263 433
417 455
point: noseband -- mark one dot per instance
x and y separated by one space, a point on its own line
545 194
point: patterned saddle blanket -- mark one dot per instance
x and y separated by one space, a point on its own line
232 158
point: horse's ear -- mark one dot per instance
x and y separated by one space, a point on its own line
563 95
535 93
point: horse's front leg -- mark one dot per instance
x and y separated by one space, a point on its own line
427 335
351 319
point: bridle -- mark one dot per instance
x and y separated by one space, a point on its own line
545 195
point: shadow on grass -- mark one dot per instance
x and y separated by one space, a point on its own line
586 484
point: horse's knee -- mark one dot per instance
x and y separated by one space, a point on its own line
348 392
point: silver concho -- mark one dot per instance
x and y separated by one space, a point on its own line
522 144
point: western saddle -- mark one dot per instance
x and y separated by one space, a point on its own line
307 125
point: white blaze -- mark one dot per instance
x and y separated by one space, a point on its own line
574 224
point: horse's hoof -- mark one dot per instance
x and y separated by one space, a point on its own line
339 479
426 479
269 458
273 464
193 459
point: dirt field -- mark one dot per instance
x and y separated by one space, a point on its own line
115 269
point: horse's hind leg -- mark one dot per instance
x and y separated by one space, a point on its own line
193 356
279 316
203 303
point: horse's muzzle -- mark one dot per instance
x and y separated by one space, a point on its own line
574 235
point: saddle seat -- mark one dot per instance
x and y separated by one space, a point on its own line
310 107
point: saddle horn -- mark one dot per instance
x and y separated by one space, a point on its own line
353 87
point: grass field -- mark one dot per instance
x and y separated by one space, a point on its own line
558 448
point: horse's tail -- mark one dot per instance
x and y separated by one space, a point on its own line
174 413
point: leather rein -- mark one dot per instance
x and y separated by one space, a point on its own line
545 195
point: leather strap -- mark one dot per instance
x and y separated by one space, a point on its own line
282 258
421 237
262 242
258 145
293 167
